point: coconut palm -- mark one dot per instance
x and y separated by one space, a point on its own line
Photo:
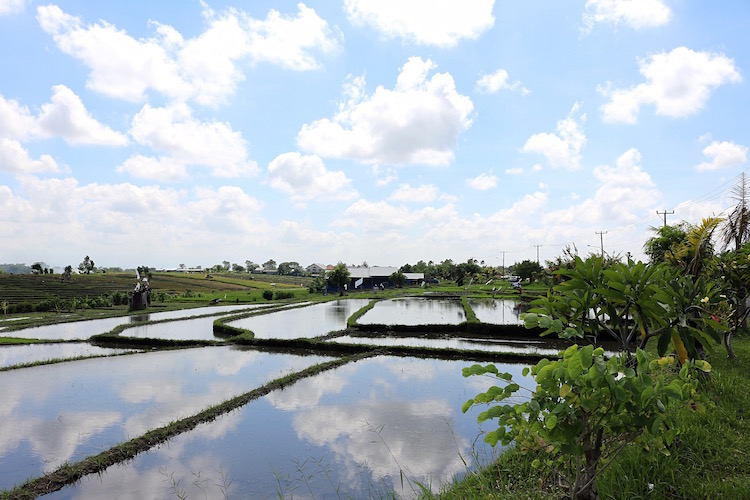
736 227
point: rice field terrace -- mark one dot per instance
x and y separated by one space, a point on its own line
315 398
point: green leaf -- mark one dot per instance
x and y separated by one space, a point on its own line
575 368
467 405
587 356
545 321
564 390
550 421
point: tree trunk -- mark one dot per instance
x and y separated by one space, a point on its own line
728 345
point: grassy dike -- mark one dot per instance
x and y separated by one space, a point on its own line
72 472
709 459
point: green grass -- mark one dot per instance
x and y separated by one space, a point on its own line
709 459
14 340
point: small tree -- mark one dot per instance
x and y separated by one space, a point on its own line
67 272
269 264
528 269
339 276
37 267
586 408
398 279
87 265
290 269
237 268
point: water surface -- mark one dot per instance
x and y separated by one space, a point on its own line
32 353
352 432
497 311
67 411
463 343
82 330
303 322
415 311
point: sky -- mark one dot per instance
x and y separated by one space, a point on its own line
195 132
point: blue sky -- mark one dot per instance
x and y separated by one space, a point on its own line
166 133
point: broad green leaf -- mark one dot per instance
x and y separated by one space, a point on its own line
575 368
564 390
550 421
587 356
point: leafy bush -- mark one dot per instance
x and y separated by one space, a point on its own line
268 294
284 295
586 409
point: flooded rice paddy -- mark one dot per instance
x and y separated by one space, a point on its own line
33 353
497 312
367 428
457 343
413 311
305 322
67 411
82 330
347 433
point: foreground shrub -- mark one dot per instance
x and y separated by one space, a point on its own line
268 294
585 409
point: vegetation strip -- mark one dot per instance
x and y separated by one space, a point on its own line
53 361
72 472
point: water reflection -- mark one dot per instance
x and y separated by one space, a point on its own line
304 322
191 329
498 312
32 353
472 344
349 432
415 311
68 411
81 330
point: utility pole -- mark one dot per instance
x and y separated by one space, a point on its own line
664 213
537 253
503 252
601 238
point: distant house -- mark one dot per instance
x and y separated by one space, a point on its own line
316 269
363 278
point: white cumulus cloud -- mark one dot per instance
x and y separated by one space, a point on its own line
173 131
624 192
15 120
564 148
165 169
483 181
442 23
15 159
65 116
306 178
205 68
418 122
678 83
12 6
420 194
635 13
722 155
494 82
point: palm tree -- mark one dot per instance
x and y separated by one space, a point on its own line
695 254
737 224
